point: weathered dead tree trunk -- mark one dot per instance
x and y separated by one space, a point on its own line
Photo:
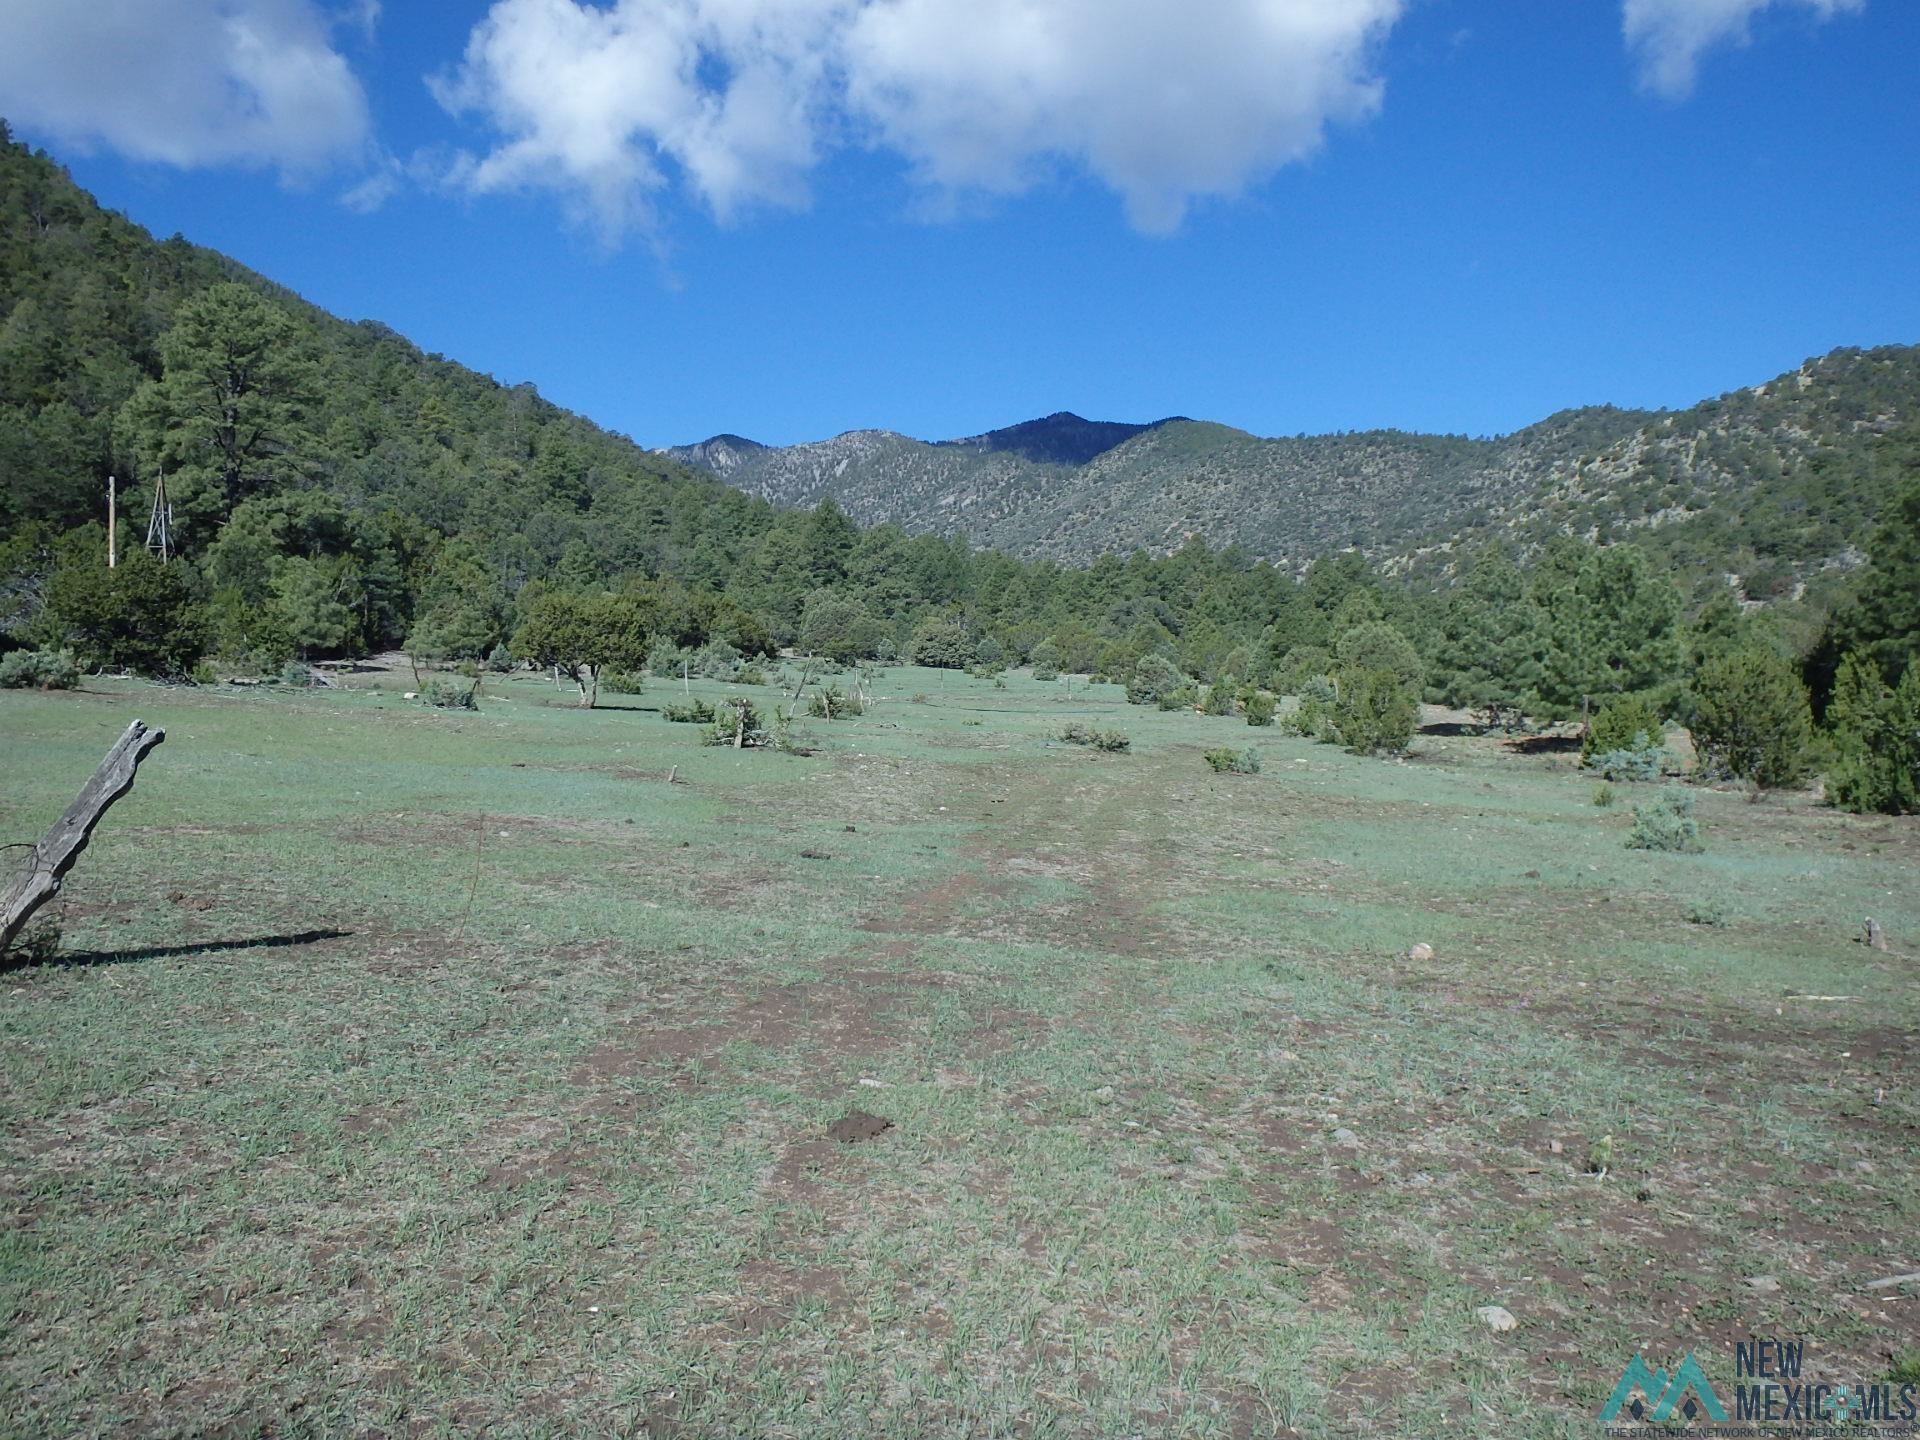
54 856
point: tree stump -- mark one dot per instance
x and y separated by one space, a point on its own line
1875 938
54 856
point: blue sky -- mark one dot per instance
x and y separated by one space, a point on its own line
1293 215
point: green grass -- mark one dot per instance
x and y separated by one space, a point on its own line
411 1071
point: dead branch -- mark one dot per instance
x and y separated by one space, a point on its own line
60 847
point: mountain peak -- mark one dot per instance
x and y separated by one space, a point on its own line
717 454
1062 438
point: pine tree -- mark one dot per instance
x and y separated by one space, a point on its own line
1612 628
229 416
1876 740
1885 621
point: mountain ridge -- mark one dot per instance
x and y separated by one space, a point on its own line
1764 474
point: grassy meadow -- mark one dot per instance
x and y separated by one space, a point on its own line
415 1072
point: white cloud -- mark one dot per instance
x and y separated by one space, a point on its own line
1669 36
1163 102
738 99
184 82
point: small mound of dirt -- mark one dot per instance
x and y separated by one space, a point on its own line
856 1126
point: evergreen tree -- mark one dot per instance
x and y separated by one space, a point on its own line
229 416
312 598
1611 629
1884 623
1376 645
1373 713
1752 721
459 615
839 627
945 642
583 636
1491 638
1045 659
1876 740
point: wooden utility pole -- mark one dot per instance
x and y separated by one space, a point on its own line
54 856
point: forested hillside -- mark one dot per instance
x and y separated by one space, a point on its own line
1774 485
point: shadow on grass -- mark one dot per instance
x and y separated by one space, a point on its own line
1545 744
26 959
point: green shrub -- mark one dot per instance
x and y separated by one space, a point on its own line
1603 794
1318 686
39 670
1707 912
140 616
296 674
782 738
1666 823
1181 697
716 660
1218 700
1260 707
1236 762
1302 665
1304 719
1074 733
1751 719
1628 723
1154 679
833 703
1645 762
1373 713
943 642
622 682
445 695
500 660
750 675
737 723
1045 672
688 712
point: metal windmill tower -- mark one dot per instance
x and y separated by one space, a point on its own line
160 524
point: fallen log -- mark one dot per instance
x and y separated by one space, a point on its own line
54 856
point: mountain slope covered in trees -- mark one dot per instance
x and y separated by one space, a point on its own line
1774 484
